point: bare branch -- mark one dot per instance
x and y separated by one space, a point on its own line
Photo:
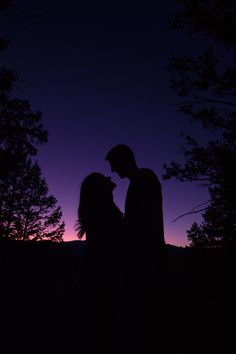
203 100
199 205
189 213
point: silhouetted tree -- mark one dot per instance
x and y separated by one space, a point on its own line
208 84
26 209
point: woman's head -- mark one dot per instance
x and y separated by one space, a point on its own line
95 197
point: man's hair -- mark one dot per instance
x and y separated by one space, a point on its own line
120 151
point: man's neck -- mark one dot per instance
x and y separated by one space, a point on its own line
132 173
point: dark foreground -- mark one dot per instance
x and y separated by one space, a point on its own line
41 310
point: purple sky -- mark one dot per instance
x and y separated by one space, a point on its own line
102 79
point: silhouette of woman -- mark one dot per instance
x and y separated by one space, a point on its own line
102 222
97 212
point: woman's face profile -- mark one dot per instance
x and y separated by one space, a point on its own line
98 184
110 184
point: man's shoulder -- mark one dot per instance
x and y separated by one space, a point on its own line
147 173
146 176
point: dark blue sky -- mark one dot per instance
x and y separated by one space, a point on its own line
100 77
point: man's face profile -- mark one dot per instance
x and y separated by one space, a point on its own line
118 167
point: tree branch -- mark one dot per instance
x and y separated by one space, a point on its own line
193 211
199 205
203 100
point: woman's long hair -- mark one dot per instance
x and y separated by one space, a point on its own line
95 200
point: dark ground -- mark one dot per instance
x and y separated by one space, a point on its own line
41 310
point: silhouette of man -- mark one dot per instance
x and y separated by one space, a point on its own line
144 243
143 217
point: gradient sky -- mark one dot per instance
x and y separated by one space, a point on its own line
100 77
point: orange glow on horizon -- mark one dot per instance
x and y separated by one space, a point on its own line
170 239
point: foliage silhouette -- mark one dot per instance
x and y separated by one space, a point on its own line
26 209
209 84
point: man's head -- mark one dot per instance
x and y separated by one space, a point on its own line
122 161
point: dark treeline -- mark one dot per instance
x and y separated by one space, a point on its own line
41 309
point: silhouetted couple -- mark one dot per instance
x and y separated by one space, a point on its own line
123 255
